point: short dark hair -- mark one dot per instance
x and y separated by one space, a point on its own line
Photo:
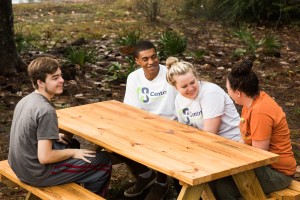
40 67
244 79
142 46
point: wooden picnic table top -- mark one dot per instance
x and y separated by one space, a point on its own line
178 150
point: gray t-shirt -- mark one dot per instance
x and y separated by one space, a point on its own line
34 119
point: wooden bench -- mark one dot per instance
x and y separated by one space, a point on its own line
290 193
70 191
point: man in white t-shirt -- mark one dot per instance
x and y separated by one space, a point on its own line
148 90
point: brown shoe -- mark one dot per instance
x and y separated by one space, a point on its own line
140 185
158 192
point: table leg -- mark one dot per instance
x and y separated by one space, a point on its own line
249 186
207 193
189 192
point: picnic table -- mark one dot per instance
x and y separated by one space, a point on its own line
192 156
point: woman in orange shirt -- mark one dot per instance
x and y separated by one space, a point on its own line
263 125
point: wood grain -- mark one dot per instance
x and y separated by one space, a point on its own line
175 149
61 192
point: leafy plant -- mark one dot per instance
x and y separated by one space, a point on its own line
128 38
270 44
197 54
256 10
239 52
120 72
171 43
23 42
80 56
132 66
246 36
116 72
127 41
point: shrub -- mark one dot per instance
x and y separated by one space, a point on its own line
23 41
127 41
256 10
171 43
246 36
197 54
80 56
120 72
269 43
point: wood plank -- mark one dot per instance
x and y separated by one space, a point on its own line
174 148
60 192
207 193
190 192
286 194
295 185
249 186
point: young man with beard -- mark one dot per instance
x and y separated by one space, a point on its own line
38 153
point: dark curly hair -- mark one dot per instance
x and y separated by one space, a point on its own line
244 79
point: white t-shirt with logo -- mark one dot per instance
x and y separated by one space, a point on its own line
156 96
212 101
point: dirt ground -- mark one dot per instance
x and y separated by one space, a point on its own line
279 76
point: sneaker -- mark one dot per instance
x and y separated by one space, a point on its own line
158 192
140 185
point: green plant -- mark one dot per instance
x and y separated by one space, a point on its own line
127 41
23 41
246 36
132 65
128 38
197 54
239 52
256 10
270 44
116 72
120 72
172 43
80 56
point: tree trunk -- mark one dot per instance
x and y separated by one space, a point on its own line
10 61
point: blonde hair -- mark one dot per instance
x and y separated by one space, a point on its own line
176 67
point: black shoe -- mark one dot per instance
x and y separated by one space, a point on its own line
140 185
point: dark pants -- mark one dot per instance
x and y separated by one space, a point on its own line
95 176
269 179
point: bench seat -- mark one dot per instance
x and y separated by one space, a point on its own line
70 191
290 193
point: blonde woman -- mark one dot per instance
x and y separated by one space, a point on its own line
202 104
